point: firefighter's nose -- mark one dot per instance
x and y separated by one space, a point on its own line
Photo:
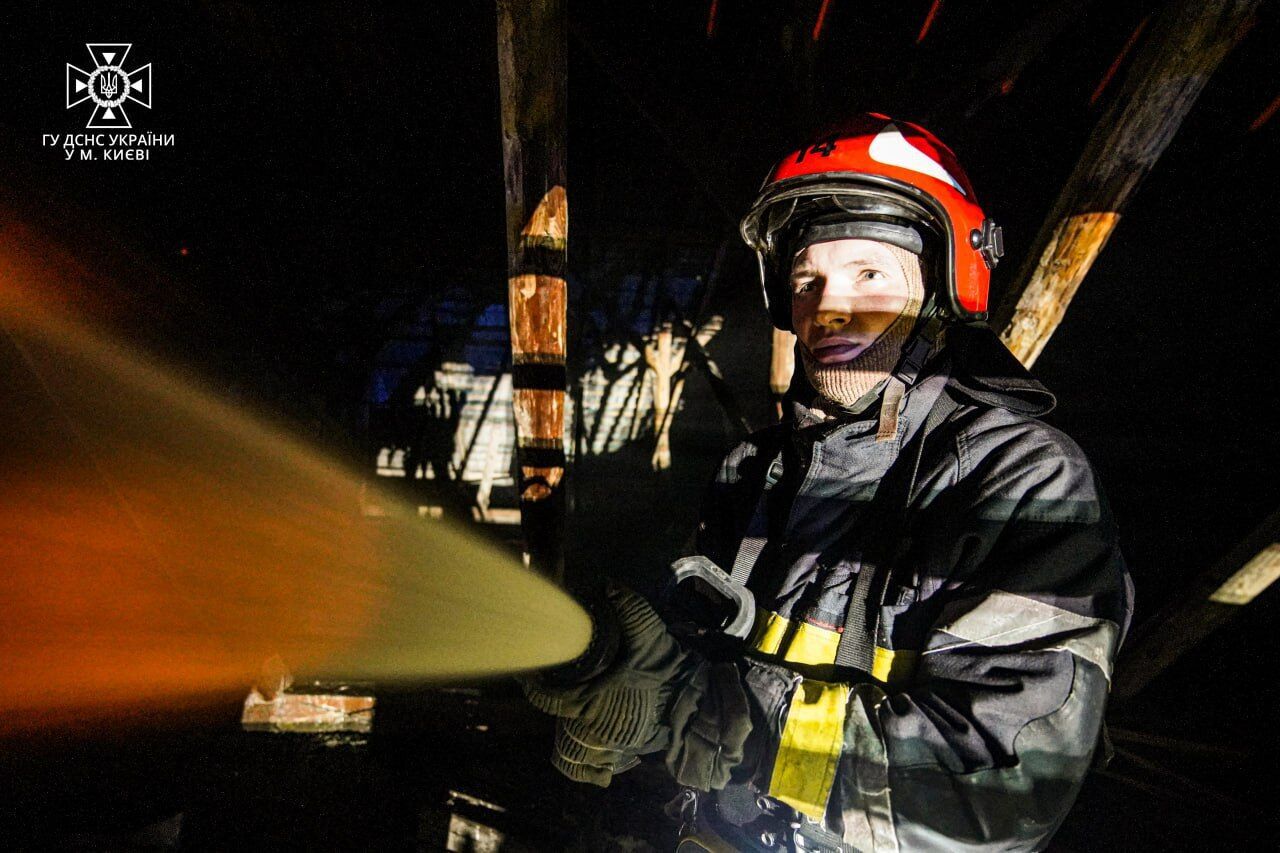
835 310
834 318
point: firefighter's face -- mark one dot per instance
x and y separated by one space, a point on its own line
844 295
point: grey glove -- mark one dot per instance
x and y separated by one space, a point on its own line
656 696
710 722
604 725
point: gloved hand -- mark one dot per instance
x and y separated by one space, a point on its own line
605 724
656 696
710 723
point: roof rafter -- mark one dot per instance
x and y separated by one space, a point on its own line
1188 40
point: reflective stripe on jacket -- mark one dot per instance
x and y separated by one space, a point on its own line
993 656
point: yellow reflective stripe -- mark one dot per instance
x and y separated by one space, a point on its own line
892 666
805 767
812 644
771 635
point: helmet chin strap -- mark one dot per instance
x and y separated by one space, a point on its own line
915 352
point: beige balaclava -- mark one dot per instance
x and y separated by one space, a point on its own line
845 384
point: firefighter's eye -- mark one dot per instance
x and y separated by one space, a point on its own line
804 285
872 275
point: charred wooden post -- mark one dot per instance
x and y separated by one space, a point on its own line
532 81
1187 41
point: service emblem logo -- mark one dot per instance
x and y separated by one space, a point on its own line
109 86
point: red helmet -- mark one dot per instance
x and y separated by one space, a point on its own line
879 177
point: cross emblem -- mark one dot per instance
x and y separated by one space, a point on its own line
109 86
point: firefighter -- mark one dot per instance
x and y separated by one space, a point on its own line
937 590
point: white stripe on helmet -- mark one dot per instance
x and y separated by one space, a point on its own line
892 148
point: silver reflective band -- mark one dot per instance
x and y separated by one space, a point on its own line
1006 619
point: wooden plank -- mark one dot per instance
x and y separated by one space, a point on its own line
662 362
532 71
1213 599
308 712
669 359
782 364
1187 41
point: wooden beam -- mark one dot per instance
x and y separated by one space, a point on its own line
1187 41
1215 597
662 361
669 358
532 71
782 364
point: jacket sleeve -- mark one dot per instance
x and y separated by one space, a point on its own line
985 746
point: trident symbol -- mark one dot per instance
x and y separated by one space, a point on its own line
109 85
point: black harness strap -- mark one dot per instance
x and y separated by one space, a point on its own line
890 503
757 533
887 519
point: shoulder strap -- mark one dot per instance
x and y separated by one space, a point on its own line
756 535
858 640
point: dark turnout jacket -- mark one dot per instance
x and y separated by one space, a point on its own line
1004 602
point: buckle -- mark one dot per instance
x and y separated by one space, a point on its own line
774 474
914 355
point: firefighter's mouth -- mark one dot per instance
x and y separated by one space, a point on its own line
836 350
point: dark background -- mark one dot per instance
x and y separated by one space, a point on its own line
331 156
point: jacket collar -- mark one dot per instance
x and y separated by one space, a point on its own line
982 371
